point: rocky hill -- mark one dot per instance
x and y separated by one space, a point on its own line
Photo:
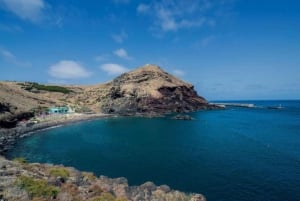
149 90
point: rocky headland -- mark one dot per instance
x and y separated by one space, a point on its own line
148 91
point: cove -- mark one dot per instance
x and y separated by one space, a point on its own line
234 154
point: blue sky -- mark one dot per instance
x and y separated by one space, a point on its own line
229 49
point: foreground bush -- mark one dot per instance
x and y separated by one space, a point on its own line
37 188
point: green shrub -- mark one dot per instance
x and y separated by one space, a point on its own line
89 175
104 197
33 85
37 187
21 160
121 199
60 172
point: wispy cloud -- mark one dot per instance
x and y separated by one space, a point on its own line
11 28
178 72
102 57
173 15
68 69
122 53
113 69
207 40
143 8
25 9
120 37
11 58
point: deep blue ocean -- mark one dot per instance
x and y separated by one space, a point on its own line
236 154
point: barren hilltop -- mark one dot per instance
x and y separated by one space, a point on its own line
147 90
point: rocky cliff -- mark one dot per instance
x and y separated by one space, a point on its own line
150 90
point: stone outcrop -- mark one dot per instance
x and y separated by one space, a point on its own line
23 181
150 90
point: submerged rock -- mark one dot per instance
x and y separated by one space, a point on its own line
182 117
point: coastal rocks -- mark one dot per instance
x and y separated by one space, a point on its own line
12 120
23 181
149 89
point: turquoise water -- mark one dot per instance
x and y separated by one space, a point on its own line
234 154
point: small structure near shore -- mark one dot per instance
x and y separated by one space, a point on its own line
58 110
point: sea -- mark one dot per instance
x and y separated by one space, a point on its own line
234 154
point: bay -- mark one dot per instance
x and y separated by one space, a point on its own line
233 154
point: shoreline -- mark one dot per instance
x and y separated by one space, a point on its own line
9 137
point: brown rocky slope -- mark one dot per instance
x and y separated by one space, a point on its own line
150 90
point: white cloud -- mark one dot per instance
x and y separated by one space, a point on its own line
7 54
68 69
143 8
11 58
122 53
173 15
113 69
25 9
120 37
178 72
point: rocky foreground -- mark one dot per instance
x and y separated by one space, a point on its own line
23 181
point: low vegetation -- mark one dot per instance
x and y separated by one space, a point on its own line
59 172
31 86
107 197
89 176
37 188
21 160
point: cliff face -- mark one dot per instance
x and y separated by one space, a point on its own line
149 89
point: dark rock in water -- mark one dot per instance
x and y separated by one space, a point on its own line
149 89
182 117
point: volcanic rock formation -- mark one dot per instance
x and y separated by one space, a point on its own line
150 90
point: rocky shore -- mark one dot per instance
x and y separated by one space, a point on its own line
23 181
